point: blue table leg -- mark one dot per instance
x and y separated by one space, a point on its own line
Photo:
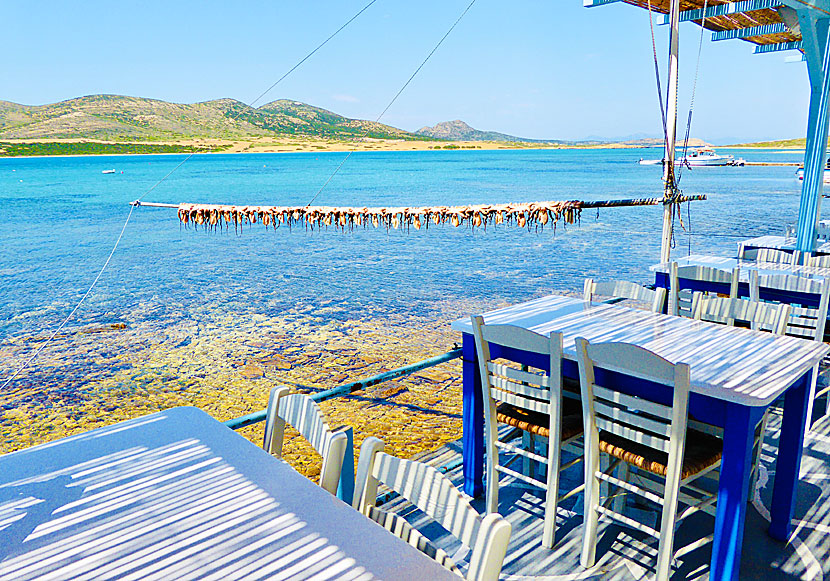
472 421
788 463
733 492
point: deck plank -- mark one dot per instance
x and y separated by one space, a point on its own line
626 555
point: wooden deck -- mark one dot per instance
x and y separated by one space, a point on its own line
626 554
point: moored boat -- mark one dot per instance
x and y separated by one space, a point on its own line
702 157
800 174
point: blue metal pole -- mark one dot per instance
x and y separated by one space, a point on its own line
348 388
814 157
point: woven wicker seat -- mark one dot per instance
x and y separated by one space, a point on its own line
702 451
538 423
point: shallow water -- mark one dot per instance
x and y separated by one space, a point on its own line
174 288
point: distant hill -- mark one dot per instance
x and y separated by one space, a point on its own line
798 143
116 118
459 131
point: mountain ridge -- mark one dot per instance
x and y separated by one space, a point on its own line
119 117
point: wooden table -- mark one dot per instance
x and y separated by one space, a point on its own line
661 277
735 375
177 495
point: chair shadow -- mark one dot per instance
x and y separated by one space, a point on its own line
50 495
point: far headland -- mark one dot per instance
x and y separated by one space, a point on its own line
116 124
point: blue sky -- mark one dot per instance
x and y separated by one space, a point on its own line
547 69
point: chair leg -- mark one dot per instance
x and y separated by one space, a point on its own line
665 549
756 454
528 443
551 494
492 483
592 501
623 472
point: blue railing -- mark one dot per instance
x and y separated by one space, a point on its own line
345 489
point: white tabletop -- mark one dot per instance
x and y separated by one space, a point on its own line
177 495
763 268
782 242
734 364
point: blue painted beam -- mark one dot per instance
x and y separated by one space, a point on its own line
820 8
778 46
777 28
347 388
809 208
724 9
594 3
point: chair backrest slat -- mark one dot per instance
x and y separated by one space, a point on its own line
436 496
432 493
654 424
682 302
303 413
631 401
518 375
808 322
775 255
726 311
519 391
640 436
820 261
623 414
519 401
625 289
518 387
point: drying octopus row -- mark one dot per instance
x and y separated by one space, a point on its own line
522 215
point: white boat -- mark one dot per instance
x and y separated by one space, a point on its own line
704 156
800 174
108 171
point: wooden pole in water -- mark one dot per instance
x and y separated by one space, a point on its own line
671 129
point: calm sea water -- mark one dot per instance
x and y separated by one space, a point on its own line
61 216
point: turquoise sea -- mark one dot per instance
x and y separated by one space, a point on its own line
62 215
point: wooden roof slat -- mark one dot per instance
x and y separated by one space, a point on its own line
741 15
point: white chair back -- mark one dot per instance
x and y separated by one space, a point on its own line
434 494
770 317
681 302
820 261
303 413
778 256
658 426
521 388
804 322
623 289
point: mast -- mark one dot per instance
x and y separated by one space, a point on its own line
671 129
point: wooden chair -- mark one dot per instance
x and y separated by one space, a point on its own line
532 402
770 317
649 435
628 290
777 255
681 302
305 416
821 261
804 322
434 494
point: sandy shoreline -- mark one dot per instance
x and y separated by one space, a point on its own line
308 145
